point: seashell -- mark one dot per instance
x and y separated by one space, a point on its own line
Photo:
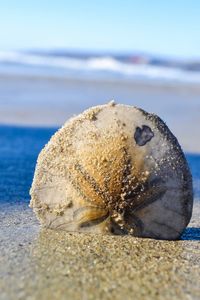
114 169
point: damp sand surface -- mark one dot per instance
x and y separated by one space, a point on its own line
33 101
45 264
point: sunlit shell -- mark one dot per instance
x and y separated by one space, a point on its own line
114 169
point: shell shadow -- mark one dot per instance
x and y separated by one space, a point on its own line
191 234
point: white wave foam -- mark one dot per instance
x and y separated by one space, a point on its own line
107 65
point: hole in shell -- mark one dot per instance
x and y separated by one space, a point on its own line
143 135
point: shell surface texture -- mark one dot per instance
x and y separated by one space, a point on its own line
114 169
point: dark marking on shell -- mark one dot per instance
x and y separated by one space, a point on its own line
78 213
87 177
149 199
132 222
116 229
77 188
94 222
88 216
143 135
167 226
153 191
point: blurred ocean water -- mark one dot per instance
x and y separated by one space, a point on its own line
19 148
103 67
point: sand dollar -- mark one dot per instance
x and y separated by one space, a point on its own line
114 169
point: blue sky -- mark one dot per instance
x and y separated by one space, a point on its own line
162 27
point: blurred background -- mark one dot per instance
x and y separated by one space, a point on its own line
59 57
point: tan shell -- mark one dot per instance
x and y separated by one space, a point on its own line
114 169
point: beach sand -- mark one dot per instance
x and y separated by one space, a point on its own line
50 102
46 264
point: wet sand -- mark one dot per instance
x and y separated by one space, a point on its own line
50 102
45 264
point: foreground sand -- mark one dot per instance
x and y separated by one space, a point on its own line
45 264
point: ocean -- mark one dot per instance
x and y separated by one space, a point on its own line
109 67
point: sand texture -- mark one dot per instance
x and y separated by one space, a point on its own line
46 264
